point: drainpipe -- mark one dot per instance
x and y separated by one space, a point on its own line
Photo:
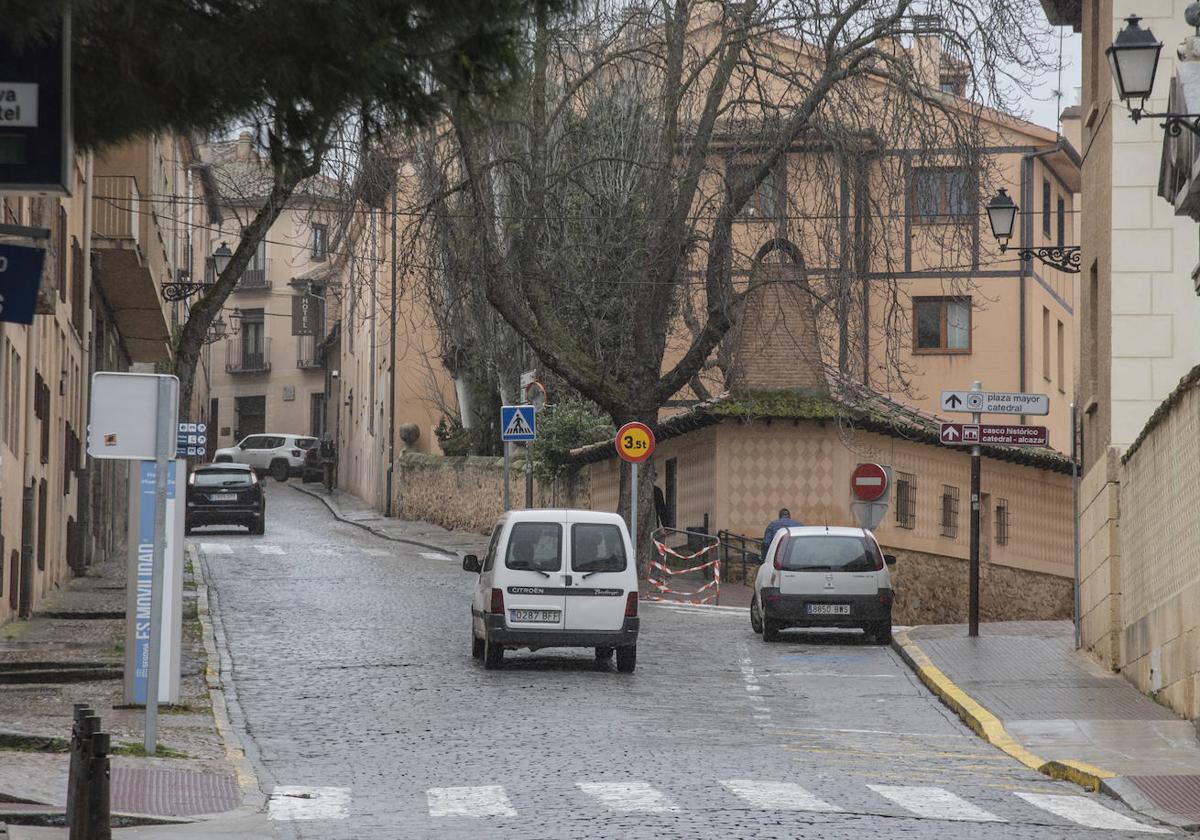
29 480
392 366
84 480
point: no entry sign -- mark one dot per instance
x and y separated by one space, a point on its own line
868 482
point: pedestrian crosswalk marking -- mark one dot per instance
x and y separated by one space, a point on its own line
934 803
297 802
215 548
482 801
1087 812
268 548
629 797
777 796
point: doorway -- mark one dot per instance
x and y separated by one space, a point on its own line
251 416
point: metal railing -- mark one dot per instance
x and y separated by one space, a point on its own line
242 356
116 204
739 552
255 277
307 357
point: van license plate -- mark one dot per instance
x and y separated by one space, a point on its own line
534 616
828 609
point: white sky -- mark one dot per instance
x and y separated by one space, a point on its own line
1040 102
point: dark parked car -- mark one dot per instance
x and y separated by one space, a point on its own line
225 494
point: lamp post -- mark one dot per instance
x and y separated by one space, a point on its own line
1133 59
1002 216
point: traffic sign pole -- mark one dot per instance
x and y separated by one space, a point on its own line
507 458
973 574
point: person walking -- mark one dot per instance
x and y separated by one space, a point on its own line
784 521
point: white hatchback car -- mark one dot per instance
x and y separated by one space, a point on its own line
556 578
279 455
817 576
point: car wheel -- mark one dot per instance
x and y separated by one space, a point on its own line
279 470
476 646
493 654
770 630
259 526
603 654
627 659
755 616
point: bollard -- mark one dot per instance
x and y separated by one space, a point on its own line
73 774
97 824
89 725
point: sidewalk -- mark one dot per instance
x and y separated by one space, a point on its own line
1022 687
72 651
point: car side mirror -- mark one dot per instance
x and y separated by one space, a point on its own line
471 564
889 559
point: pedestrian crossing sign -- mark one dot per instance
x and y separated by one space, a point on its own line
517 423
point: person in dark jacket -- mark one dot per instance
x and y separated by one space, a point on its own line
784 521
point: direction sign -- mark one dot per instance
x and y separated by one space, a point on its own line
957 434
868 482
517 423
635 442
995 402
20 276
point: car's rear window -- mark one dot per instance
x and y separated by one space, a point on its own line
306 443
597 548
222 478
535 546
826 553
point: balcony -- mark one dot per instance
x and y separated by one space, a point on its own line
242 356
307 356
116 204
254 278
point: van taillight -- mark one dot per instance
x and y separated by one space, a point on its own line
878 559
631 605
779 553
497 602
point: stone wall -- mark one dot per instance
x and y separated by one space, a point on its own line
1100 559
467 493
932 589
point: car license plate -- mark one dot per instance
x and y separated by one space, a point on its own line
828 609
534 616
223 497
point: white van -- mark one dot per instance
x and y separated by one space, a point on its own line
817 576
556 578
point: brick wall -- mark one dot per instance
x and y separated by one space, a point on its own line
775 345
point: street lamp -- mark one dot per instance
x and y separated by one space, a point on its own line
216 330
1133 59
221 258
184 286
235 321
1002 215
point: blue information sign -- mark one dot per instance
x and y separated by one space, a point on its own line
20 276
518 423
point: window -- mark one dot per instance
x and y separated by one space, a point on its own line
1092 338
489 559
942 325
943 194
597 548
949 511
12 410
1002 522
1062 222
831 554
316 410
1046 206
320 241
906 500
1062 365
769 199
61 246
1045 344
535 546
222 478
76 286
671 492
253 335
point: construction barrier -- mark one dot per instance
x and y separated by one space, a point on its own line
709 592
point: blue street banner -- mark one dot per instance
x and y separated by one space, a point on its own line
145 574
518 423
20 276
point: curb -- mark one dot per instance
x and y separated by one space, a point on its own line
989 727
337 514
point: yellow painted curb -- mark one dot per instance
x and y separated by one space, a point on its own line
986 725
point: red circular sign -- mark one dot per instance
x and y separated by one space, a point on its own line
635 442
868 482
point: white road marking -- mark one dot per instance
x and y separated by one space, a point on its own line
1085 811
777 796
934 803
482 801
297 802
828 674
215 548
629 797
716 609
268 548
377 552
431 555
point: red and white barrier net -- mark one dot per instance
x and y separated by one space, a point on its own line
709 592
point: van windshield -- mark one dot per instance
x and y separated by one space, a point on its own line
535 546
597 548
826 553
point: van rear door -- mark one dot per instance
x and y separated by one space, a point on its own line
601 575
532 573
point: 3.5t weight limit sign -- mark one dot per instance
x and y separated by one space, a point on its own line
635 442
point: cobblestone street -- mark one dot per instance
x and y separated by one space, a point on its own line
349 674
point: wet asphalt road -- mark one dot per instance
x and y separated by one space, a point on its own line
363 711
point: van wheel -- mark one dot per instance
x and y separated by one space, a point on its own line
770 630
603 654
493 655
476 647
755 616
279 470
627 659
